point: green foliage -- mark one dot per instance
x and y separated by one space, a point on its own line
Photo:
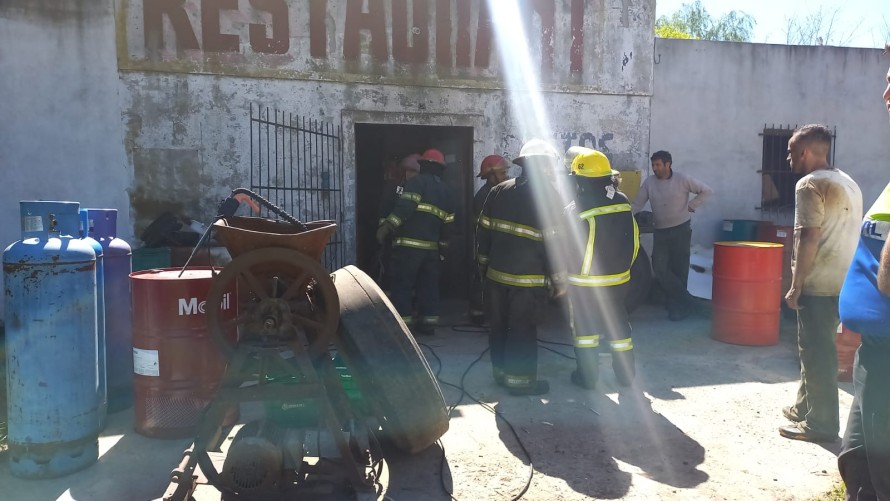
694 21
838 493
668 31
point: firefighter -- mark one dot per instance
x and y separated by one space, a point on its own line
493 170
395 177
394 181
419 225
599 269
518 216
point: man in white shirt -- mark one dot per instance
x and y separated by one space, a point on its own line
827 215
667 192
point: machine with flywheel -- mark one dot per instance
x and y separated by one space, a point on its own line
321 362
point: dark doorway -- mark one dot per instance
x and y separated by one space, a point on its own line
378 146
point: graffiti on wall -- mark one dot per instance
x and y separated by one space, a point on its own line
565 140
510 144
428 39
586 139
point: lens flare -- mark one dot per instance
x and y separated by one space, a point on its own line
530 117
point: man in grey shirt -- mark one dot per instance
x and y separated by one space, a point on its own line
667 192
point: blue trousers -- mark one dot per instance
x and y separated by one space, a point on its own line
864 461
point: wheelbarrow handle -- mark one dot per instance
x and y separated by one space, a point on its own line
228 207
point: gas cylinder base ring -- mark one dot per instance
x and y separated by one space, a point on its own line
282 293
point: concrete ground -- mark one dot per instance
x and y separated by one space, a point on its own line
701 424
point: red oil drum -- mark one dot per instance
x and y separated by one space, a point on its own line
764 228
784 235
746 293
177 366
847 343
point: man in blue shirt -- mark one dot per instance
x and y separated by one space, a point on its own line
864 460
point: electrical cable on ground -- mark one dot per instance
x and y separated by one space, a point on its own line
570 345
484 405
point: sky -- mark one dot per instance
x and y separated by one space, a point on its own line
859 23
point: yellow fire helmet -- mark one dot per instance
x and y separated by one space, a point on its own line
591 164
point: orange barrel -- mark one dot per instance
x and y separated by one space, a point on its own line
746 293
177 366
847 343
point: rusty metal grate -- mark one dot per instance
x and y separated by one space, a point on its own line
297 164
777 180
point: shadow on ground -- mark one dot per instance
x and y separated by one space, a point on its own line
584 441
419 476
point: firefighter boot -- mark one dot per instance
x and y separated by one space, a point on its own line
477 317
623 365
427 325
582 381
537 387
587 357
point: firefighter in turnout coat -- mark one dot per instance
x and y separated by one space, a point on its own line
493 170
599 270
419 226
518 216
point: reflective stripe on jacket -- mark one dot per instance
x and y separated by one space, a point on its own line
423 214
612 238
513 232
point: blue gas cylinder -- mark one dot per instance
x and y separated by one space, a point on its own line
82 232
118 264
52 361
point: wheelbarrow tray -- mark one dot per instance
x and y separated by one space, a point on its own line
241 234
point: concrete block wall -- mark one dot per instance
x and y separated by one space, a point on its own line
711 101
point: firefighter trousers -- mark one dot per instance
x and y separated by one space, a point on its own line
513 316
598 314
477 298
415 277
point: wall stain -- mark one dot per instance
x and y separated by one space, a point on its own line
55 11
166 180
